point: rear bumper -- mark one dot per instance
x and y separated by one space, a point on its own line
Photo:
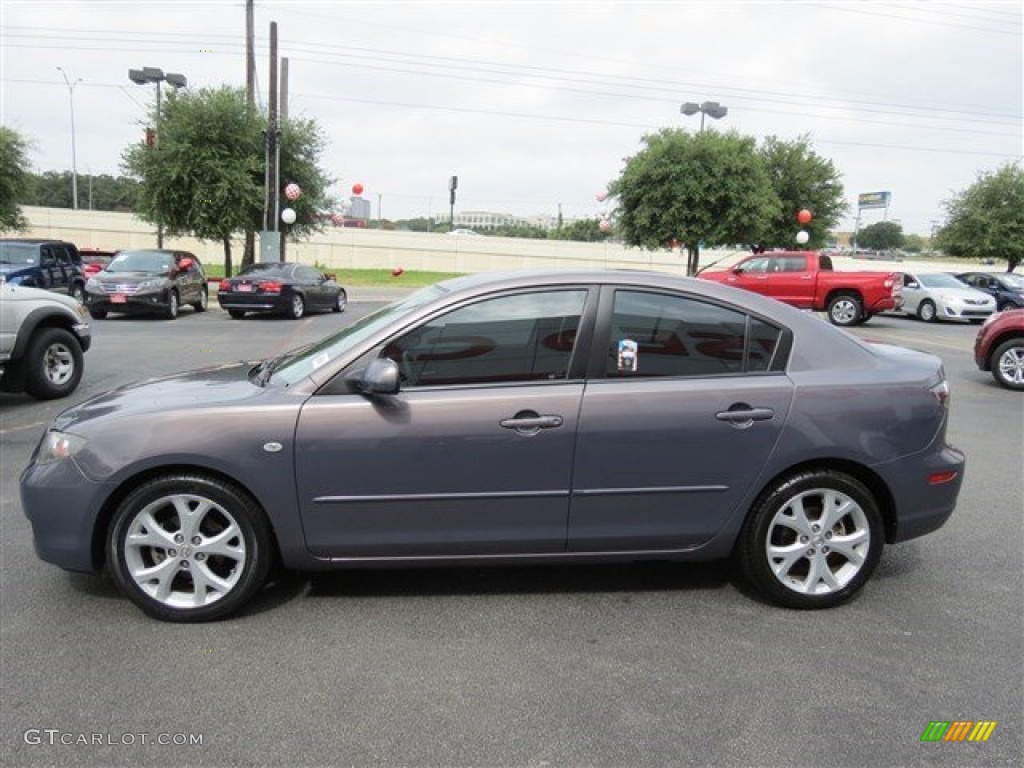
923 505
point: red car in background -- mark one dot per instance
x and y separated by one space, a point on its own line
94 260
999 348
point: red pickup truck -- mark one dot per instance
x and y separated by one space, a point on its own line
805 279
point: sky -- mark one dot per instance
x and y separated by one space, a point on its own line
535 106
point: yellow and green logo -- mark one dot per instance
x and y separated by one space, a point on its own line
958 730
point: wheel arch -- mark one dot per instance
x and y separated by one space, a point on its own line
845 291
865 475
104 519
36 319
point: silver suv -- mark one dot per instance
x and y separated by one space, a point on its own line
43 337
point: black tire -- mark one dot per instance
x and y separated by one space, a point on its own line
296 307
340 302
204 300
926 311
53 364
173 306
845 310
233 568
78 292
236 314
1007 364
865 317
98 314
775 521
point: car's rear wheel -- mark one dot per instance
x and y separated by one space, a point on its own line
186 547
296 307
341 302
53 364
171 312
98 314
204 300
1008 364
812 540
926 311
845 310
236 314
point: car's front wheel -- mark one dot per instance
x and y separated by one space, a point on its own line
204 300
812 540
186 547
926 311
1008 364
341 301
53 365
171 310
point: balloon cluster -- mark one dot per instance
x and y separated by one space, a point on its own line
803 217
293 191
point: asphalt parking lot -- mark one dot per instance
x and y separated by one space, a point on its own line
645 665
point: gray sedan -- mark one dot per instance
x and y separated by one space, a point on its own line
512 418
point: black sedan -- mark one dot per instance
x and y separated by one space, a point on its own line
1006 288
283 288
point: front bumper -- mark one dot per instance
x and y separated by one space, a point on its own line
63 508
142 303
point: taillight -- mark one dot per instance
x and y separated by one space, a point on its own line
941 392
225 285
270 286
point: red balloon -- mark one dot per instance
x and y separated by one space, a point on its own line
397 271
357 189
804 217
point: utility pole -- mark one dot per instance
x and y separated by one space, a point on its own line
282 119
249 250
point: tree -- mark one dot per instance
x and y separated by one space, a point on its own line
707 188
52 189
987 219
802 181
13 179
204 174
882 236
581 230
913 243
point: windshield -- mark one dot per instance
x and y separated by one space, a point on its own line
301 362
141 261
1013 281
18 253
940 280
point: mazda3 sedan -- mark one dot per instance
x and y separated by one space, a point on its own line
530 417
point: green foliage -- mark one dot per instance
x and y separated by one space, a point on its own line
801 180
421 224
581 230
205 174
707 188
13 179
527 231
99 193
987 219
883 236
914 243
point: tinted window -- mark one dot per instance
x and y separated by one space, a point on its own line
523 337
792 264
757 265
660 335
141 261
307 274
265 270
18 253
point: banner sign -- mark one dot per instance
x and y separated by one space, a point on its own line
873 200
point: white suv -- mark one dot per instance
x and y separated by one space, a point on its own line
43 336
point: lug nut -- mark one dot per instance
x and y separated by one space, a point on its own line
196 540
810 551
815 527
172 553
179 539
184 564
200 556
804 539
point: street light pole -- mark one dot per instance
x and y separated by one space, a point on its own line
145 76
712 109
74 160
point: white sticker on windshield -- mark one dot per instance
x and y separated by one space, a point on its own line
320 360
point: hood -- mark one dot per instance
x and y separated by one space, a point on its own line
15 292
963 293
130 277
194 391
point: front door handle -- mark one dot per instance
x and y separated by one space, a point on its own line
529 422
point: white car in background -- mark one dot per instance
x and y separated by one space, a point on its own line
935 296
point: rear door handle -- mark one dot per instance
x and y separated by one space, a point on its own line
742 415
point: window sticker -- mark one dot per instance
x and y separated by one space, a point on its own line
320 359
627 355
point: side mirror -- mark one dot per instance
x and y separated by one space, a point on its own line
380 377
737 270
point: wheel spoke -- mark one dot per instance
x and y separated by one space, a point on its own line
190 518
206 581
848 546
219 544
782 559
836 507
147 532
794 517
163 572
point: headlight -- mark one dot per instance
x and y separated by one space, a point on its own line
57 446
151 285
93 285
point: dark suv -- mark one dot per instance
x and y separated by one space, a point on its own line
148 281
51 264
